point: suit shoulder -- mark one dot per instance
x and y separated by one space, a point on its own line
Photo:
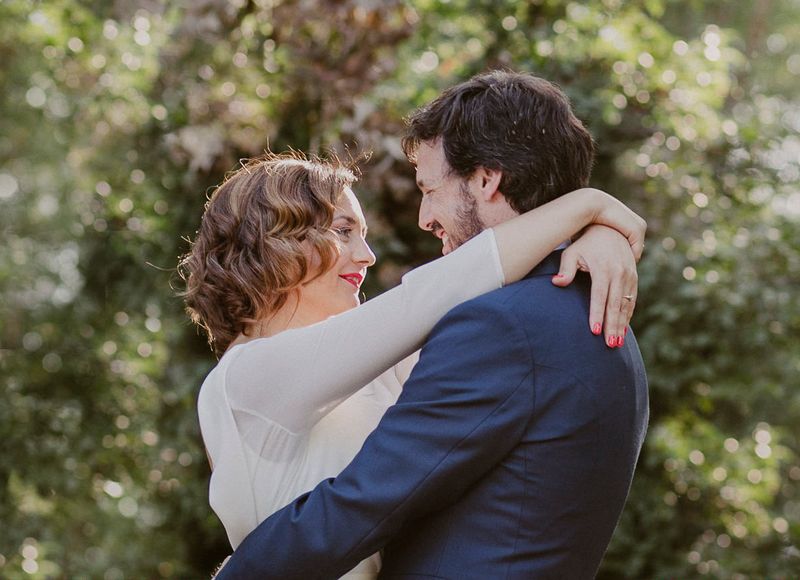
531 289
530 304
492 313
488 304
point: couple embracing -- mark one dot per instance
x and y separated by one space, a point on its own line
505 447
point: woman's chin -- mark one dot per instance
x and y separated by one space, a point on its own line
344 306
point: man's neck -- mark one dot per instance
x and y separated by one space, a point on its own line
496 213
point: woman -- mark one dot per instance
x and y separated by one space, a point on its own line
280 252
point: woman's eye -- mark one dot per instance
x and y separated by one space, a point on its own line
343 233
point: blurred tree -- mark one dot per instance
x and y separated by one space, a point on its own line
119 117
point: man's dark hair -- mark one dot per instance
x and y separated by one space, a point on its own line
516 123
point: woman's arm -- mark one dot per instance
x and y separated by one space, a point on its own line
527 239
295 377
608 253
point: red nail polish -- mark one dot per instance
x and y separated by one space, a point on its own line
612 341
625 332
558 276
596 328
620 340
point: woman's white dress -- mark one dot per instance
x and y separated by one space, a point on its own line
280 414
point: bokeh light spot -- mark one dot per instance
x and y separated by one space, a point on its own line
697 457
731 445
646 59
780 525
763 451
51 362
113 489
680 47
75 44
102 188
8 186
36 97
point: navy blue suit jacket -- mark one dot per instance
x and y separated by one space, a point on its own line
509 454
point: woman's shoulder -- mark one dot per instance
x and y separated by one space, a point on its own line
236 355
213 390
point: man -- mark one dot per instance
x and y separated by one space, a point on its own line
511 451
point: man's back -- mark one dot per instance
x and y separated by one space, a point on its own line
550 505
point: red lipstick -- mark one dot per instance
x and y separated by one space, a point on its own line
354 278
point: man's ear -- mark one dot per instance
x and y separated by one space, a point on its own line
488 182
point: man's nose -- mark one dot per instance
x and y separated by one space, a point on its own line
425 215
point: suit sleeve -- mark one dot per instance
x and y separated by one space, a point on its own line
464 407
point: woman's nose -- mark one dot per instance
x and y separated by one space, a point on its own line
363 254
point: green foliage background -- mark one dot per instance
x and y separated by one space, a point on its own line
117 117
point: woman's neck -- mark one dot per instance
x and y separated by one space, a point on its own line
293 314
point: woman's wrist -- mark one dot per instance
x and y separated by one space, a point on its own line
590 203
605 210
599 202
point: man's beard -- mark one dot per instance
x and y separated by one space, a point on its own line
467 223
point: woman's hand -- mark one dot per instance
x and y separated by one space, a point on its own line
611 260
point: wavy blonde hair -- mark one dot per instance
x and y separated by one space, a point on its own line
251 250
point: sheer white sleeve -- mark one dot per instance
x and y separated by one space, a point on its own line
295 377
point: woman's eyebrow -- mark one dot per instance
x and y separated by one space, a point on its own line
351 221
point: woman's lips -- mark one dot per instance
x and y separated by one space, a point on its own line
355 279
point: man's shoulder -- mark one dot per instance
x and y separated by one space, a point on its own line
533 290
493 314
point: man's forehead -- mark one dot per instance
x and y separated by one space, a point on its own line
427 180
429 172
430 162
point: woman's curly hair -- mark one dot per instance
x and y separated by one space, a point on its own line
252 248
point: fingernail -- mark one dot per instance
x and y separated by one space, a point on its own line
625 332
620 340
612 341
559 275
596 328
